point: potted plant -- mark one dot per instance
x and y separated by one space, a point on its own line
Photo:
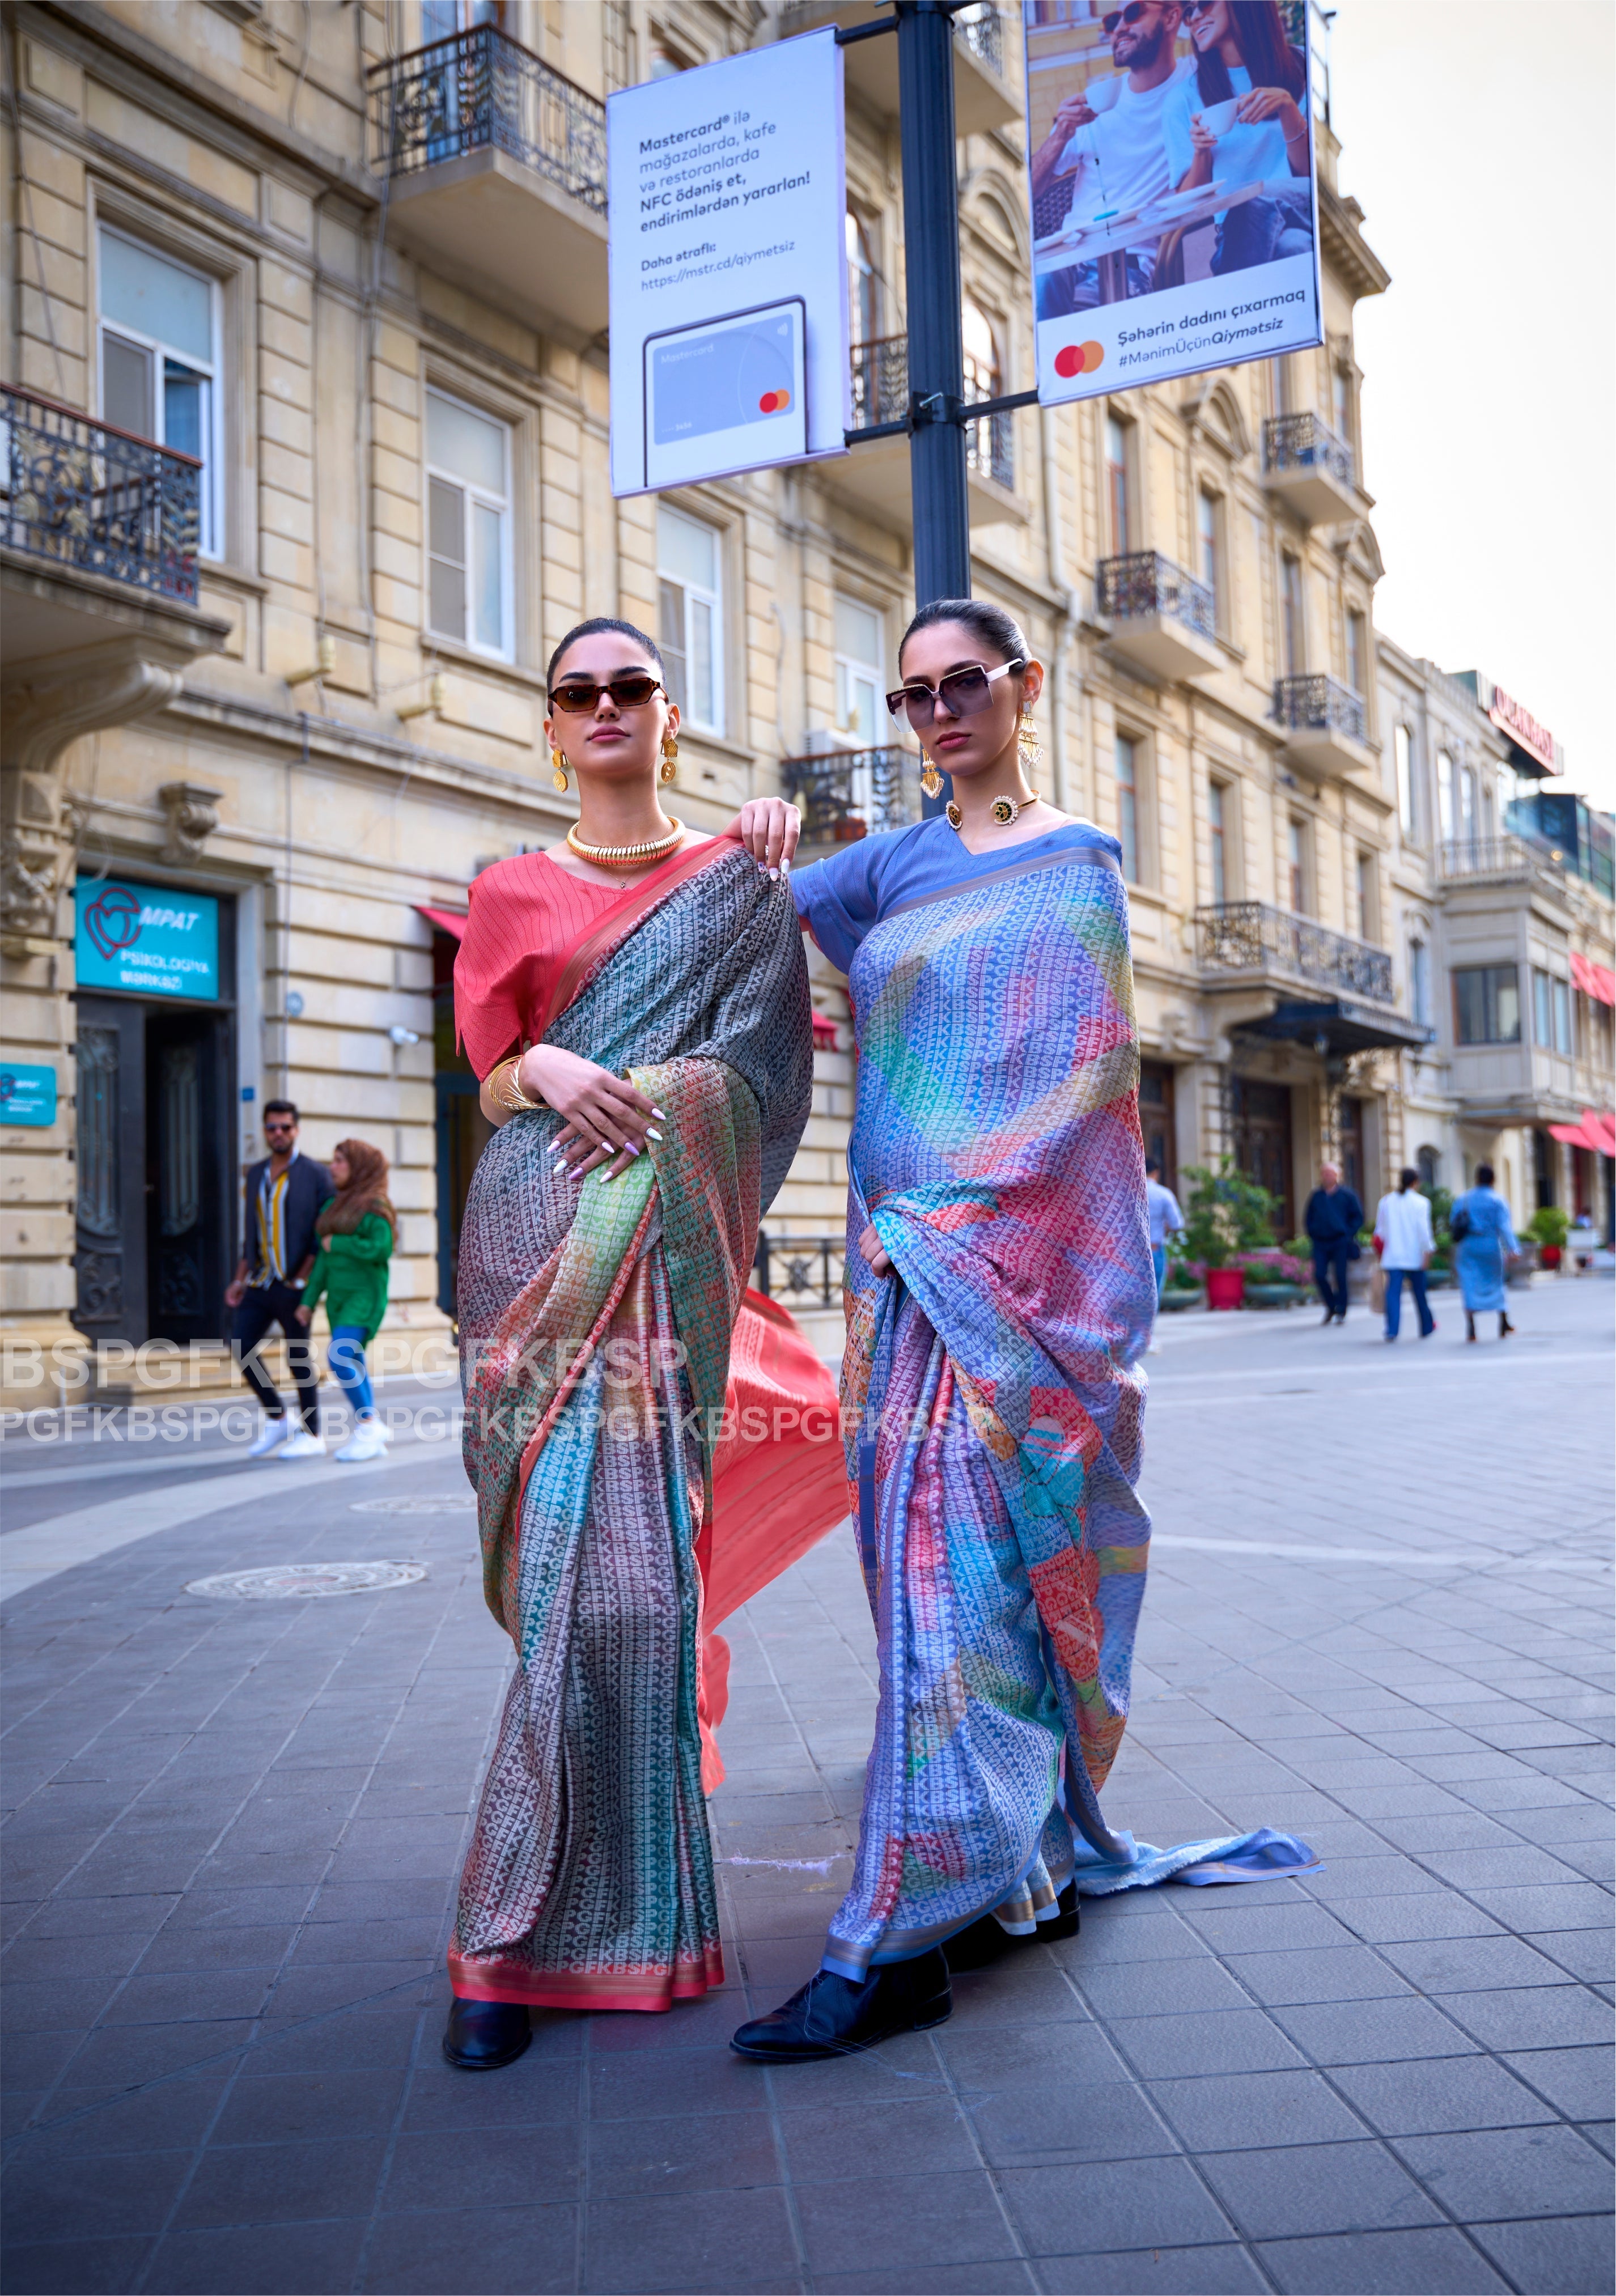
1548 1228
1226 1216
1441 1199
1273 1279
1180 1290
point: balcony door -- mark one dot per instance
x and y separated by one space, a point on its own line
1259 1127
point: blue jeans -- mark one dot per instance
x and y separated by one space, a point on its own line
1394 1301
1264 231
1158 1262
1062 294
346 1357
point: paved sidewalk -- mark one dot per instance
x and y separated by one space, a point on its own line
1377 1615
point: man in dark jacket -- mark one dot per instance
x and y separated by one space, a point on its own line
1333 1219
283 1199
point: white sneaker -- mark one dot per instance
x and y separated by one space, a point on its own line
270 1437
367 1441
302 1446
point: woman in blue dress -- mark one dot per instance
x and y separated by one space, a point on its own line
1486 1241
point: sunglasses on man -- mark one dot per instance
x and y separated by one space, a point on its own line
629 690
963 694
273 1131
1131 14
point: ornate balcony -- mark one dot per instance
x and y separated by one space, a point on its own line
846 794
876 477
800 1271
1252 939
498 166
1162 620
1308 466
983 99
1326 726
87 496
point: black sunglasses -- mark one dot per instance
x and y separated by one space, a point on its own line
278 1126
1129 15
630 689
963 694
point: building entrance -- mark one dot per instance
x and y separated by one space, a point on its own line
1259 1129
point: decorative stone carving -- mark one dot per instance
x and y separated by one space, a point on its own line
193 813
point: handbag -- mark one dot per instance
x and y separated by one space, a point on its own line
1458 1222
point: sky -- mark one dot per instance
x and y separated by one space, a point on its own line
1476 134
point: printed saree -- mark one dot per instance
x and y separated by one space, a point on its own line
596 1323
992 1410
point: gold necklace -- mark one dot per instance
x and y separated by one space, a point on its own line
1004 810
626 857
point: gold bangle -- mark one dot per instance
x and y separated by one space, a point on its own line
514 1099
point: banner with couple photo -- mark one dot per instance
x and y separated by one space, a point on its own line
1175 212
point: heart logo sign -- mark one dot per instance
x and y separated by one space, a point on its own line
112 920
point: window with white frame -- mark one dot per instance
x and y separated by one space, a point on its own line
468 488
1127 804
1217 803
1358 651
1444 797
1402 750
1296 864
689 616
1209 554
158 360
1366 904
859 671
1419 981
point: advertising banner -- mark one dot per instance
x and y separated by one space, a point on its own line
1175 211
28 1093
151 940
728 266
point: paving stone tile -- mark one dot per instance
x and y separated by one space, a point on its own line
1466 1964
298 2259
1434 2262
83 2124
1440 1912
1310 2189
1160 1988
635 2085
1552 2256
1008 2278
988 2057
1222 2041
822 2144
74 2267
1512 2172
1428 2096
1095 2208
1578 2082
1261 2110
1340 1973
682 2241
1540 2016
1219 2269
277 2183
1021 2124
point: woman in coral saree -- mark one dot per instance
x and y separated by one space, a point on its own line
999 1289
644 1042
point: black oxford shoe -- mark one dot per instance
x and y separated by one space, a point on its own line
987 1941
831 2016
482 2034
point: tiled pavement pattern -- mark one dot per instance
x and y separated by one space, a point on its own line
236 1829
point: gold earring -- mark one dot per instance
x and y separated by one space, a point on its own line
670 750
930 781
1030 749
558 770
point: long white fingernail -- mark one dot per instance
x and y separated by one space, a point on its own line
662 1112
785 868
651 1133
774 873
631 1147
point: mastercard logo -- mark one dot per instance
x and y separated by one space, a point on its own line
1078 359
774 402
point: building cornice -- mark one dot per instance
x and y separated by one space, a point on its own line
1345 250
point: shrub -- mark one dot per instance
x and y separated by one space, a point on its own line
1224 1214
1548 1224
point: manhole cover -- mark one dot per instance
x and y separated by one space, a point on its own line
453 1503
285 1582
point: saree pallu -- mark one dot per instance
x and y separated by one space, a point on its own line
595 1331
993 1416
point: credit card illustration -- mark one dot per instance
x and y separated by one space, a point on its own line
727 395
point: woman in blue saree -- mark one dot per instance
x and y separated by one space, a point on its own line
1488 1239
999 1291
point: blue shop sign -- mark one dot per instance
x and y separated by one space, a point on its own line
152 941
28 1093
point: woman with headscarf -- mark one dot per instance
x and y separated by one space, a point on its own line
357 1230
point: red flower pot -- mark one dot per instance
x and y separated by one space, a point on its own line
1224 1287
1549 1255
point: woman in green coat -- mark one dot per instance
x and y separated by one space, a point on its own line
357 1230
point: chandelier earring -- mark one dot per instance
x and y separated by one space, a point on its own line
558 770
931 780
668 770
1030 749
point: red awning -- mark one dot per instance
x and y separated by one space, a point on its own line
1596 980
824 1033
1593 1131
449 921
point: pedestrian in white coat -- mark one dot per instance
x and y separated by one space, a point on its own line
1402 1229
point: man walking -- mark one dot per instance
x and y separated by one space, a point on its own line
1162 1209
282 1197
1402 1229
1333 1219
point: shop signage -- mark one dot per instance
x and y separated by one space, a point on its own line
1522 729
28 1093
149 941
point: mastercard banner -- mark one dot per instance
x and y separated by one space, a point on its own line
1175 210
728 266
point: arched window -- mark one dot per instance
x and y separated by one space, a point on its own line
862 287
1430 1164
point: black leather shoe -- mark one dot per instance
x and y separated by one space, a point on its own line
482 2034
986 1941
831 2016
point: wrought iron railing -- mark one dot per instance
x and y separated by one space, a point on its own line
481 90
880 394
98 499
1253 937
1145 583
1492 856
983 33
1317 704
846 794
1303 442
800 1271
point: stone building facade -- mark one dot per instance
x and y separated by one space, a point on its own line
314 300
